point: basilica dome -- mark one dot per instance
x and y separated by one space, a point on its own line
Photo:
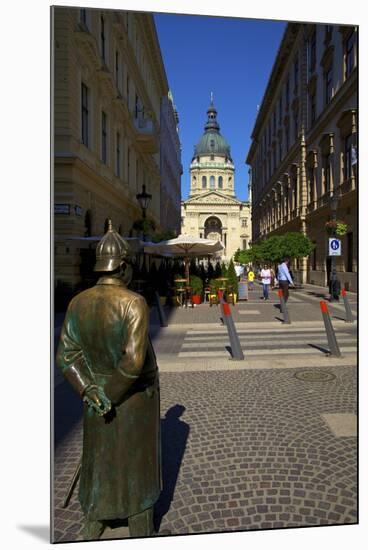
212 142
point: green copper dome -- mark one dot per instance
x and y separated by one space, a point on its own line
212 142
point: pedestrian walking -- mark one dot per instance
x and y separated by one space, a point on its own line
251 279
266 281
284 278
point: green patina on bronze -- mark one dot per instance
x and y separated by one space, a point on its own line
106 355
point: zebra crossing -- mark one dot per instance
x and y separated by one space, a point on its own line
260 341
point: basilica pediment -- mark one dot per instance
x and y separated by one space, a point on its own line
213 197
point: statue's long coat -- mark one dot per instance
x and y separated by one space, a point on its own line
104 341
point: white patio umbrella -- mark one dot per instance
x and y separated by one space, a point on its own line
186 247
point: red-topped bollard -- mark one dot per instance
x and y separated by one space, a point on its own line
283 307
348 312
331 337
236 350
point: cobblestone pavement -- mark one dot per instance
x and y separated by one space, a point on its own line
245 450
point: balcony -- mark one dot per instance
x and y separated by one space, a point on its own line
147 137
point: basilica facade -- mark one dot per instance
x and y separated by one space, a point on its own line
212 210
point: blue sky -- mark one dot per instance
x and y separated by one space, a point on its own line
230 57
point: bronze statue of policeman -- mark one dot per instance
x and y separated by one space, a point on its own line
106 355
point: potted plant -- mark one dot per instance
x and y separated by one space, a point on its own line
196 284
338 228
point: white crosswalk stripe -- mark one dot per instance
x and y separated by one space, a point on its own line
308 340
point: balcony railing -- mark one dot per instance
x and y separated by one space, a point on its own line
146 134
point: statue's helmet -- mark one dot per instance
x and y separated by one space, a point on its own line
111 251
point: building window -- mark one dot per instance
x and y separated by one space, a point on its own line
220 181
244 244
212 182
312 108
312 52
117 69
280 148
296 124
287 93
349 54
269 133
274 158
274 122
280 109
83 16
347 156
204 182
118 155
296 75
326 173
287 138
104 138
85 116
328 33
314 258
244 222
328 84
212 157
103 38
311 184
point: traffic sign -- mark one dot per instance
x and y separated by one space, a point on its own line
334 247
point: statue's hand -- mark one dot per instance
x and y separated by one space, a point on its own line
95 397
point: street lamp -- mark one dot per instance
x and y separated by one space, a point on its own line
334 282
144 199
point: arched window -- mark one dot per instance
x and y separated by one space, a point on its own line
212 182
220 182
204 182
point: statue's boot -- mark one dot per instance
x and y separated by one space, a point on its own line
93 529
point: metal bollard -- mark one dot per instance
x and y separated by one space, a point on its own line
236 351
161 313
331 337
348 312
284 309
226 318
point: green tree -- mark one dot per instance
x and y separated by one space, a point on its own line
223 270
232 278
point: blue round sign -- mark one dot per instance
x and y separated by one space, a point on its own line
335 244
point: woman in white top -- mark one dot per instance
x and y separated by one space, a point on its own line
266 281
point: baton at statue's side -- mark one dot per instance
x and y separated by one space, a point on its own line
106 355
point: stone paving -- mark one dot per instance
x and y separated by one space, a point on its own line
244 450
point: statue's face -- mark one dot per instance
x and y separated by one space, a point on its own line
126 273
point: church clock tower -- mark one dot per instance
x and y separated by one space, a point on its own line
212 209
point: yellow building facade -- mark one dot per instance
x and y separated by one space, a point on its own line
304 147
108 81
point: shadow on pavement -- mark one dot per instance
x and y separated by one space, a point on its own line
318 294
320 348
174 435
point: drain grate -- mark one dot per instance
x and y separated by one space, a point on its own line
314 376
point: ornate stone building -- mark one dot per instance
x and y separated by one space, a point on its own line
171 167
303 147
108 83
212 209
